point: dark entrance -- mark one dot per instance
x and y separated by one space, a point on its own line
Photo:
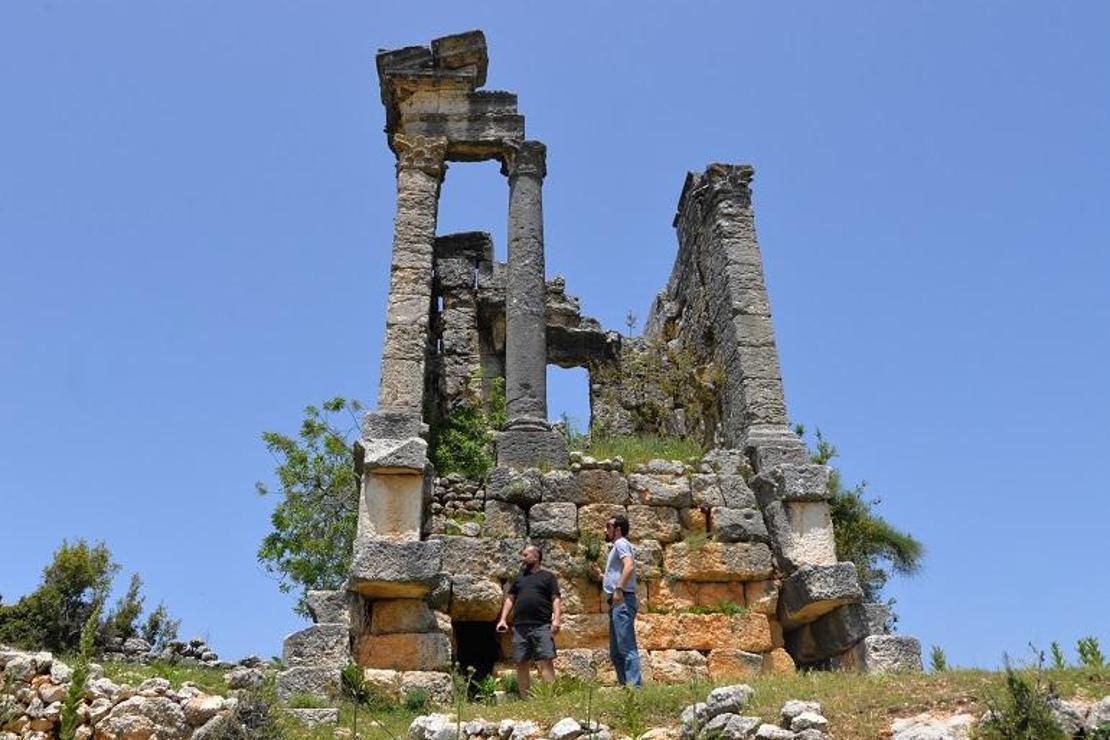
477 646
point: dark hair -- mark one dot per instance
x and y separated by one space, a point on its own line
621 522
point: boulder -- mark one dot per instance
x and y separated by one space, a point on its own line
729 726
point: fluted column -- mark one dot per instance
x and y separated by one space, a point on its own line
420 171
528 439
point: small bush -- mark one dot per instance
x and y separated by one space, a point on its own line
730 608
1023 714
1058 661
417 701
306 701
1090 655
462 442
937 659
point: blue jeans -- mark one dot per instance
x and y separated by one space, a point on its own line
622 640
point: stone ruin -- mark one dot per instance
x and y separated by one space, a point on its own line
735 552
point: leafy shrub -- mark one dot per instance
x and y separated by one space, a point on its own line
1023 714
417 700
937 659
1090 655
462 441
729 608
73 585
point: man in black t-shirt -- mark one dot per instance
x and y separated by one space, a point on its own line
537 609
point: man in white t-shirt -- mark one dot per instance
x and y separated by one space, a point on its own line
619 584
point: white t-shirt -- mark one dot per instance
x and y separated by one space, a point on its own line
614 566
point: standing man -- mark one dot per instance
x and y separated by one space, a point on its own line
537 609
619 585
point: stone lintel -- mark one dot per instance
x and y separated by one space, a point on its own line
395 570
815 590
391 456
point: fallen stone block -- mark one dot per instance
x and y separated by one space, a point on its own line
315 717
328 607
312 680
815 590
832 634
882 654
318 645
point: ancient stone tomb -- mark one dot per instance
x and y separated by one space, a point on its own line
735 553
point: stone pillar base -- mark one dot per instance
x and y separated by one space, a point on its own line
531 444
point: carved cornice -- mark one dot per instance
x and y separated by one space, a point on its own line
527 158
424 153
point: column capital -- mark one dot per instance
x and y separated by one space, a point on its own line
526 158
424 153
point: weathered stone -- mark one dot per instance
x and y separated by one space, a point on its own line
660 490
773 732
557 520
592 517
320 644
788 482
672 595
928 727
801 533
425 651
809 721
737 525
202 708
392 424
580 595
750 632
602 487
560 486
584 631
726 663
520 487
833 633
310 680
328 607
729 726
815 590
677 666
654 522
312 717
778 662
405 456
475 599
882 654
648 556
762 596
1098 715
133 716
434 727
381 569
528 448
503 520
391 616
482 557
391 506
718 561
588 664
244 678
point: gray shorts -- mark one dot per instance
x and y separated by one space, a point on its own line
532 642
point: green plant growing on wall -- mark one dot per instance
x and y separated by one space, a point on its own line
462 441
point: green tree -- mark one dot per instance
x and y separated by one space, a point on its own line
863 537
121 620
314 521
52 616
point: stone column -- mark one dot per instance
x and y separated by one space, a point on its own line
420 171
528 439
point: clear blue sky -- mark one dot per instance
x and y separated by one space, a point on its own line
196 205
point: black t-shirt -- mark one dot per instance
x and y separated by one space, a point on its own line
532 596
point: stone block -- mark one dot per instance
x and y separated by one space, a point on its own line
423 651
583 631
763 401
882 654
602 487
520 487
693 521
715 594
321 682
671 595
718 561
319 645
557 520
815 590
580 595
878 618
389 616
475 599
392 424
560 486
478 556
750 632
677 666
762 597
737 525
503 520
592 517
436 685
328 607
529 448
830 635
386 681
648 556
788 482
730 663
725 461
587 664
381 569
654 522
801 533
393 455
660 490
312 717
391 506
778 662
